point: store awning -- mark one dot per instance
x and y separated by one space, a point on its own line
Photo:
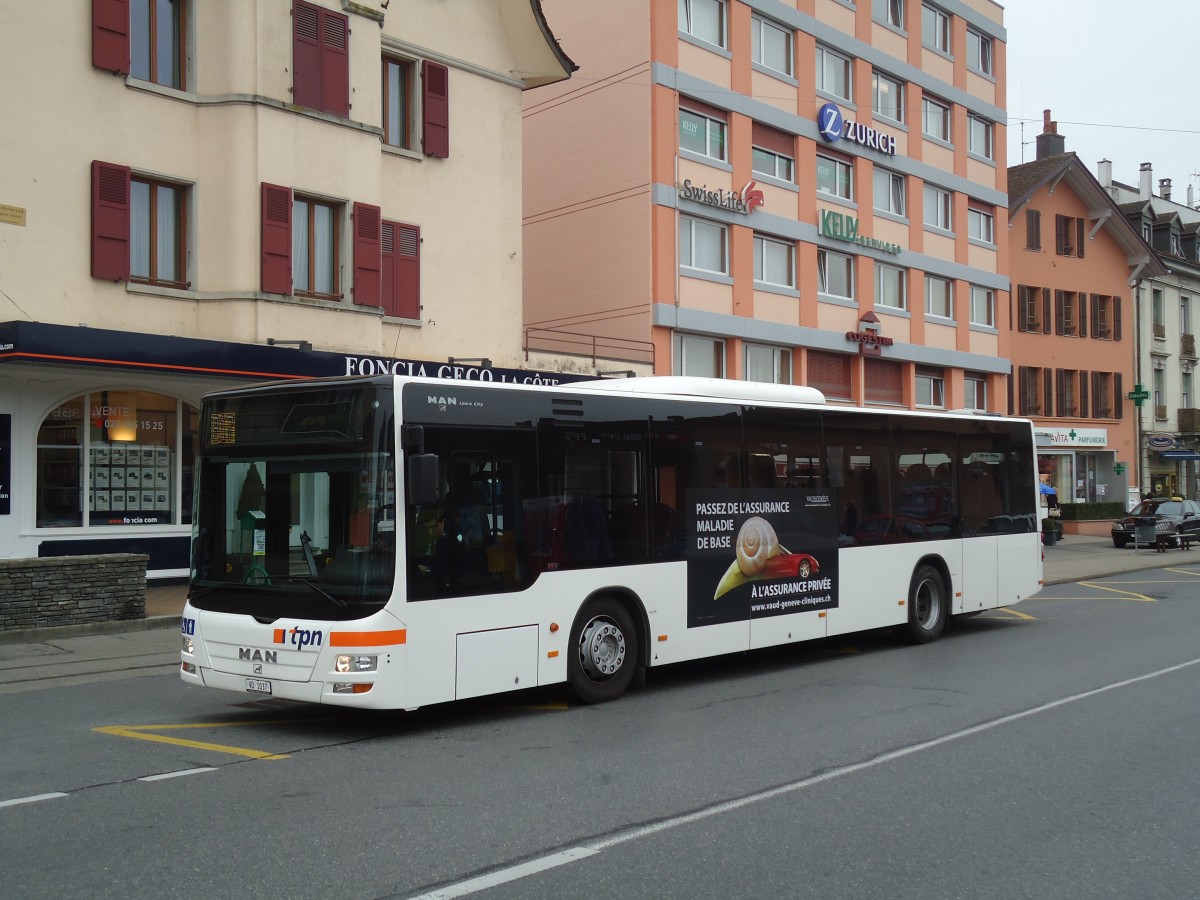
1179 454
76 345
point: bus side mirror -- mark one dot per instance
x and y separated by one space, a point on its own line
423 479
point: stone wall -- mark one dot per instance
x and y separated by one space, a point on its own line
72 590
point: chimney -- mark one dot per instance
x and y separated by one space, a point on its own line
1191 205
1050 142
1104 173
1145 180
1164 188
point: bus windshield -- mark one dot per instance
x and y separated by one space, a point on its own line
297 497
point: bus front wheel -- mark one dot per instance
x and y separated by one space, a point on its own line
604 651
928 605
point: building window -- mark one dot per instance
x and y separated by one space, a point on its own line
983 306
887 97
703 19
1067 397
1069 235
979 137
772 164
771 45
979 52
931 387
935 28
157 233
1033 309
939 297
1105 317
1160 314
975 391
1176 245
398 84
1069 313
702 245
891 284
1028 393
1159 390
939 205
315 248
883 381
981 225
935 119
700 356
774 262
156 41
889 11
772 365
830 373
834 74
1185 315
889 192
1102 407
835 274
1033 229
701 134
320 59
116 458
835 177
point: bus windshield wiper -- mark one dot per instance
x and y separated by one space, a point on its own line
336 601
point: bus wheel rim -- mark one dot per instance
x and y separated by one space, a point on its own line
601 648
928 604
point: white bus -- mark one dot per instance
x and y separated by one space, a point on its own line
393 542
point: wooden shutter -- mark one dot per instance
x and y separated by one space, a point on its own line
1116 318
1022 307
276 239
1095 307
367 260
1060 393
1083 394
435 105
1118 396
1046 310
1082 330
1080 226
1047 392
1059 313
401 270
306 55
1033 229
1009 384
110 221
335 63
110 35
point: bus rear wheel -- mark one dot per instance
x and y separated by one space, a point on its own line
928 606
604 651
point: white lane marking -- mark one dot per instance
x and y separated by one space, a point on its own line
33 799
166 775
512 873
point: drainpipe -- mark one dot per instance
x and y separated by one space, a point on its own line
1142 480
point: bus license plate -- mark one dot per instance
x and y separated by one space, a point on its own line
258 686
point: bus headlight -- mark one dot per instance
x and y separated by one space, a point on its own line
347 663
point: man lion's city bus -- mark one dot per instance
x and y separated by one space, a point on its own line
393 542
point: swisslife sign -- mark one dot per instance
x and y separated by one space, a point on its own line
745 201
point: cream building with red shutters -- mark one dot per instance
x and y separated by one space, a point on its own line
203 192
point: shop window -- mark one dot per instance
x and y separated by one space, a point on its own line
113 458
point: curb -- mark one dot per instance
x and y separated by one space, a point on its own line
116 626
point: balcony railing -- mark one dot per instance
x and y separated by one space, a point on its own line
1160 332
1189 421
594 347
1160 413
1187 345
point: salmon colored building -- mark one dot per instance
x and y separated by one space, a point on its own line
808 192
1076 263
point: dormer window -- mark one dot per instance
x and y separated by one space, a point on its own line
1176 244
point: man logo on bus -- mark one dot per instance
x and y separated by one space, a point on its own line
299 637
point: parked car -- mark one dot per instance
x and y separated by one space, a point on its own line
1171 517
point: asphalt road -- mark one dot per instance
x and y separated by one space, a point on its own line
1049 751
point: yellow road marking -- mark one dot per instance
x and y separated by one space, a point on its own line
1131 594
1183 571
1015 613
143 733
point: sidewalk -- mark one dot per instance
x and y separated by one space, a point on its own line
43 657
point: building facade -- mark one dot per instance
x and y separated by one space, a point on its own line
248 190
1168 419
1076 263
807 192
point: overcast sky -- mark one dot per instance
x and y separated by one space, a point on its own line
1119 76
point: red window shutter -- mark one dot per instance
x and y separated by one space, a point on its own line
1116 328
435 86
110 35
366 255
401 271
276 239
110 221
335 64
306 55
